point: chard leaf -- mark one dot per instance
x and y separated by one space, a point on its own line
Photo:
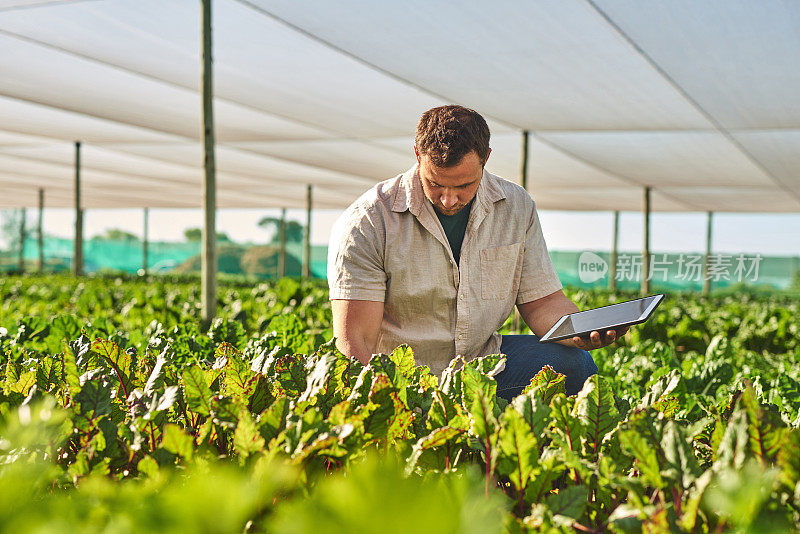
764 426
546 384
569 502
176 441
518 449
247 439
196 391
596 408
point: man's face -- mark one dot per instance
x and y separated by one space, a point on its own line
450 188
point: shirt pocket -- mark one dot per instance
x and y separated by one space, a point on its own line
500 271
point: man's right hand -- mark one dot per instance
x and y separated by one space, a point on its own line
356 325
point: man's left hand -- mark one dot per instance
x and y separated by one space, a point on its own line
596 340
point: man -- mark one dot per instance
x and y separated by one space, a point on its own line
437 258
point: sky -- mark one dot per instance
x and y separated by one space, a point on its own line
768 234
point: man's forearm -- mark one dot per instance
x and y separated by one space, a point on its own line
540 315
356 324
355 347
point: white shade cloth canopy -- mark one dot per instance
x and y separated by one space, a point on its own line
699 100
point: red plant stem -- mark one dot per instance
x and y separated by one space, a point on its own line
152 438
488 464
676 500
583 528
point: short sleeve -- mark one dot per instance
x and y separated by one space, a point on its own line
539 277
355 258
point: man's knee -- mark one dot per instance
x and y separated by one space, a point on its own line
578 366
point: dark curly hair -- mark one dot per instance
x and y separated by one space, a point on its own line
447 133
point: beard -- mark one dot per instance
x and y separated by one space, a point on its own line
452 211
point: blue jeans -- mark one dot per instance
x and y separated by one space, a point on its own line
525 357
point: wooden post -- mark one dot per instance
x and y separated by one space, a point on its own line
78 254
282 239
646 244
145 240
612 269
524 165
523 173
22 236
706 262
39 231
208 269
307 237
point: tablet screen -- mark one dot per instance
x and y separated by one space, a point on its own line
623 313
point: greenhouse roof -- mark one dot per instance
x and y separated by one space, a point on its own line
698 100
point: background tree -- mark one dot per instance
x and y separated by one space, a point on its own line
294 230
196 234
116 234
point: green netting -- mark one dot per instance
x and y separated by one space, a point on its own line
582 269
675 271
107 255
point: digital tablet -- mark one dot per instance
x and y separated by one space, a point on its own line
609 317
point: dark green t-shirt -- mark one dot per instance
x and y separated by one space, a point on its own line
455 226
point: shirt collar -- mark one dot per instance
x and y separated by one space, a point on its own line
411 197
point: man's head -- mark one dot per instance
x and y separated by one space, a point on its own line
452 146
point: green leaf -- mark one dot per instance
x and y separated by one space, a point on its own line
196 391
596 408
71 374
148 466
437 438
738 495
533 410
476 385
272 421
645 455
94 399
318 378
789 459
48 373
444 412
568 429
118 360
247 439
569 502
479 399
290 332
764 426
681 462
549 469
403 358
546 384
176 441
519 449
261 396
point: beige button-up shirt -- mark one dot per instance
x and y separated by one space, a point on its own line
389 247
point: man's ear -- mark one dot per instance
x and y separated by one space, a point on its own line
487 156
416 153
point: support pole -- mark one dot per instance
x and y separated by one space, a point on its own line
524 165
22 237
706 278
646 244
145 240
78 254
307 237
282 251
523 173
612 272
39 232
208 269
